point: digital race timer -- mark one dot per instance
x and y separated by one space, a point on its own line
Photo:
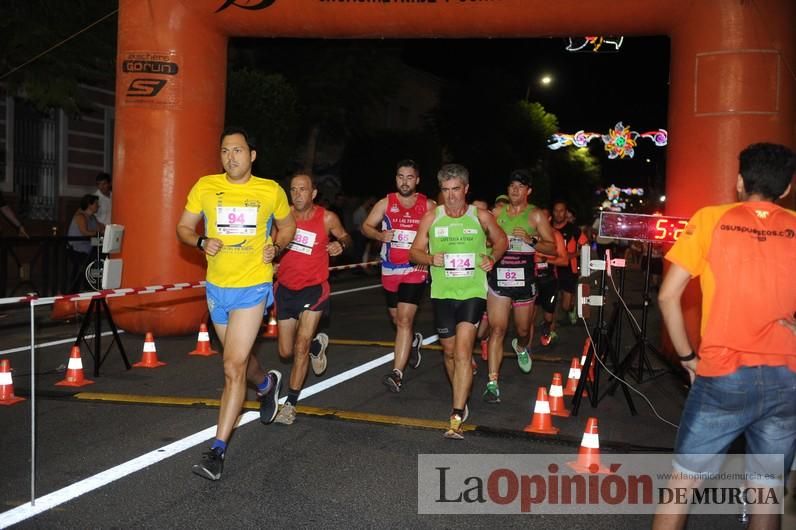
655 228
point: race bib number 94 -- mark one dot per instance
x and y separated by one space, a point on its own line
460 265
236 220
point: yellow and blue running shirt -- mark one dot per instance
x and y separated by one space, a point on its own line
241 216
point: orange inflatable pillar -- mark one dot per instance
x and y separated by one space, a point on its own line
732 85
170 84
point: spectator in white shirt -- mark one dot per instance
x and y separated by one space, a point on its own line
103 215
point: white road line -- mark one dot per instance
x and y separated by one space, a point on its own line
56 498
54 343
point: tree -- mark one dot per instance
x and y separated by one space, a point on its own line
34 27
336 82
483 126
266 105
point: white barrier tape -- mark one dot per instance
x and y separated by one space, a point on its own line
149 289
354 265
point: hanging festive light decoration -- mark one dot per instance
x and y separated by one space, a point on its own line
593 43
619 142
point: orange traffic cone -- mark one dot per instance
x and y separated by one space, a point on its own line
149 357
541 422
271 328
74 370
557 407
7 396
485 349
573 377
203 343
586 345
589 453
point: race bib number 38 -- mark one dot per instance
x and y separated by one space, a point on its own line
236 220
459 265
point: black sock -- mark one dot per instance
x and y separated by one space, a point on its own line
292 396
459 412
315 347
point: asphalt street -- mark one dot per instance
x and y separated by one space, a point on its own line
350 459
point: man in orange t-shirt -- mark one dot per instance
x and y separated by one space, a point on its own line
744 376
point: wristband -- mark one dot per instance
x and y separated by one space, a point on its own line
690 357
200 243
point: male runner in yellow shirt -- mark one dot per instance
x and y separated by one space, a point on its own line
238 211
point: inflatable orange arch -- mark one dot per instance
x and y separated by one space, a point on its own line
732 83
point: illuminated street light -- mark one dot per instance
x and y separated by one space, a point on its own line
662 198
546 80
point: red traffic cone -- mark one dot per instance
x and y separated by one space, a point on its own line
541 422
589 453
573 377
586 345
149 357
271 328
74 370
7 396
203 343
557 407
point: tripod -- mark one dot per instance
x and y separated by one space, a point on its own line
637 356
603 348
97 308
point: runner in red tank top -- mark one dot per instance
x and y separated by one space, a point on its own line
302 289
394 221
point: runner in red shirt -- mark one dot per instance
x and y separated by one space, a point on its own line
302 288
393 221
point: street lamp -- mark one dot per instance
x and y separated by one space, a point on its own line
546 80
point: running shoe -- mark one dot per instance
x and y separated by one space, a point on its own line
523 357
269 401
393 381
466 413
492 393
414 351
573 317
455 432
549 338
286 415
210 466
319 362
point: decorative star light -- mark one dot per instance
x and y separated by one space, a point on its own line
593 43
619 142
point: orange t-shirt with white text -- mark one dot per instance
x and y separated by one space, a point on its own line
745 257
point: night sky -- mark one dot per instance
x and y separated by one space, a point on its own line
590 91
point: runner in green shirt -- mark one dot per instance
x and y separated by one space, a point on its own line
452 241
512 282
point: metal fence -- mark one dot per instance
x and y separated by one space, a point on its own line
42 265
